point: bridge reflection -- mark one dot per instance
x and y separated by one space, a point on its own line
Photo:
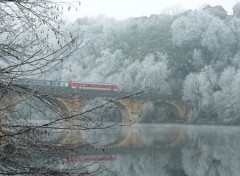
133 138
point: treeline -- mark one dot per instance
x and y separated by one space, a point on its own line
194 54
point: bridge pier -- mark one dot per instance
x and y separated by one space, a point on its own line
73 108
133 109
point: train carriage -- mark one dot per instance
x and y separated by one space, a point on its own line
93 86
42 83
59 84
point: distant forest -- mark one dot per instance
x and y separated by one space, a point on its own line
195 54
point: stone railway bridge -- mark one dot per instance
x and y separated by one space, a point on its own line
130 104
73 101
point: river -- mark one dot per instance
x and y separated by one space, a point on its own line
174 150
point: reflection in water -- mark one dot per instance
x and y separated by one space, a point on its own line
161 136
101 117
207 150
104 135
33 112
212 151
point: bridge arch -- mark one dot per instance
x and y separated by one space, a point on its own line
27 111
176 108
101 128
122 106
124 112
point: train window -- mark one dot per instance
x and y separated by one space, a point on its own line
76 84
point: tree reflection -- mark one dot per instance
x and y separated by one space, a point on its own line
142 165
212 152
207 150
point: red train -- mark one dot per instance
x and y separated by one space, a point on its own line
92 86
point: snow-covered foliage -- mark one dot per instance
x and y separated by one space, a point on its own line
197 59
189 30
198 89
227 99
207 33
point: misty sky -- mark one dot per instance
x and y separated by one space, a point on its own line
122 9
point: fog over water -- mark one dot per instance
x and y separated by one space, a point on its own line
205 150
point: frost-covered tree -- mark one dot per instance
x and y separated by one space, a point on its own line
219 40
227 100
198 89
153 74
197 62
208 34
146 74
188 30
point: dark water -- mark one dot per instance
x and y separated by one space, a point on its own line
176 150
